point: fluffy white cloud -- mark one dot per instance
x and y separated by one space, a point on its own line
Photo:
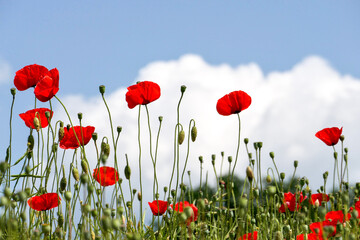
287 109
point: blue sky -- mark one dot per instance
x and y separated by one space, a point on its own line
109 42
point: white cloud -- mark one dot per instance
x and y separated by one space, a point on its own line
287 109
5 72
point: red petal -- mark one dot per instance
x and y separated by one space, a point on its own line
29 116
44 202
142 93
69 140
29 76
106 176
233 102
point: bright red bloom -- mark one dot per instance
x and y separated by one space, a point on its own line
69 140
336 216
249 236
330 136
179 207
290 202
233 102
320 226
44 202
142 93
45 82
48 86
310 236
158 207
106 176
29 76
321 197
29 116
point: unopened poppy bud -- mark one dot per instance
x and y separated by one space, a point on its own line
173 193
86 208
183 187
183 217
75 173
45 228
282 176
4 166
342 138
68 196
183 88
61 133
84 178
94 213
346 150
107 211
201 159
84 166
259 144
128 204
250 155
193 133
229 159
127 172
30 142
63 183
268 179
188 211
157 195
102 89
165 189
90 188
296 163
54 147
160 118
22 216
106 223
105 150
246 140
325 176
119 129
272 155
249 173
134 191
36 123
335 155
213 156
181 137
27 169
13 91
139 196
68 127
255 145
201 203
277 235
116 224
94 136
80 115
243 202
271 190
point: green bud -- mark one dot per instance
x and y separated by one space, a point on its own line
45 228
23 216
181 137
75 173
90 188
188 211
282 176
68 196
80 115
106 223
229 159
120 210
272 155
173 193
37 123
60 219
183 88
268 179
84 166
94 213
165 189
86 208
63 183
259 144
116 224
13 91
201 159
139 196
30 143
7 192
193 133
102 89
119 129
271 190
127 172
243 202
335 155
61 133
183 217
296 163
249 173
47 115
342 138
94 136
246 140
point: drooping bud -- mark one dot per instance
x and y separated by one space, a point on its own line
75 173
84 166
61 133
30 143
181 137
249 173
105 151
268 179
36 123
127 172
63 183
102 89
193 133
139 196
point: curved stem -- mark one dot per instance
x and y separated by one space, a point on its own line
237 150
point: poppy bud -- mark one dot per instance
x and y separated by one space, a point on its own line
342 138
157 195
128 204
165 189
68 196
193 133
63 183
116 224
84 166
94 213
106 223
119 129
335 155
90 188
272 155
213 157
346 150
188 211
282 176
13 91
246 140
84 178
181 137
60 219
120 210
183 217
30 142
183 88
47 115
105 151
243 202
201 203
107 211
36 123
268 179
54 147
22 216
102 89
259 144
249 173
134 191
80 115
127 172
229 159
255 145
201 159
160 118
173 193
4 166
27 169
296 163
45 228
317 204
61 133
139 196
272 190
277 235
94 136
75 174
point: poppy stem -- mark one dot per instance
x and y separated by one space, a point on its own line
10 141
237 150
139 141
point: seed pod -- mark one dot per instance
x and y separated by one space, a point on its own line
249 173
181 137
127 172
193 133
36 123
30 143
183 88
75 173
272 155
102 89
13 91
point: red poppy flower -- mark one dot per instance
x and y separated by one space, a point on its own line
142 93
337 216
290 202
48 86
233 102
320 226
106 176
158 207
29 76
249 236
321 197
69 140
29 116
44 202
330 136
310 236
179 207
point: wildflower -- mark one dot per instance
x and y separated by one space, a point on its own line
45 82
330 136
158 207
336 216
83 134
249 236
318 228
29 116
142 93
290 202
44 202
233 102
321 197
179 207
106 176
